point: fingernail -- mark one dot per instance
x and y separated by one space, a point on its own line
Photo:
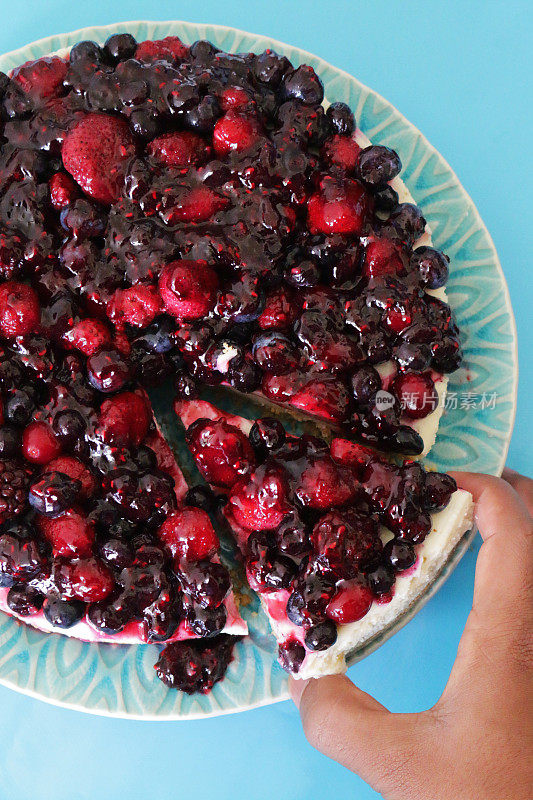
296 689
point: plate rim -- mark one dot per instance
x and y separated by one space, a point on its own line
50 43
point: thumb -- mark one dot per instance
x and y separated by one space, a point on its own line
389 751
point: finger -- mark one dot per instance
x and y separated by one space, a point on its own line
522 485
504 565
387 750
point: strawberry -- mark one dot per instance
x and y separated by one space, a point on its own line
280 310
20 312
325 397
71 534
350 453
96 152
339 207
323 483
259 503
342 151
42 78
188 289
138 305
63 190
39 444
125 419
194 205
189 535
351 602
383 257
88 336
85 579
76 470
234 133
179 149
222 452
169 49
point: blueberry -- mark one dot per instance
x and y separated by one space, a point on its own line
303 84
205 582
342 118
63 613
432 265
401 555
413 356
447 354
201 497
53 494
107 371
85 51
10 441
274 352
321 636
365 381
386 199
120 46
408 222
69 425
245 377
203 51
380 580
24 600
407 441
206 621
303 275
20 406
266 434
378 165
160 336
291 655
116 553
106 617
144 124
202 117
269 68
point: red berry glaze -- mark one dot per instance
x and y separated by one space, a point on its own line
188 289
20 312
39 444
188 534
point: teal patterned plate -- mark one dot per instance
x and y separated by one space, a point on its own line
119 680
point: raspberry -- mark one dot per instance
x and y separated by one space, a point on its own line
88 336
125 419
96 152
39 445
42 78
340 207
63 190
179 149
234 133
189 535
14 483
11 255
188 289
20 312
71 534
169 49
138 305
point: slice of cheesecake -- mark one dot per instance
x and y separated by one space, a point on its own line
338 542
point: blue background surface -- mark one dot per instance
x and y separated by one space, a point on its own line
460 73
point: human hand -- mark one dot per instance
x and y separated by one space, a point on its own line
477 740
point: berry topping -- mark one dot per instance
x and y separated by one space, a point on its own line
378 165
351 602
14 480
42 79
339 208
178 149
84 579
170 49
53 494
260 503
71 534
125 419
234 133
416 393
195 666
